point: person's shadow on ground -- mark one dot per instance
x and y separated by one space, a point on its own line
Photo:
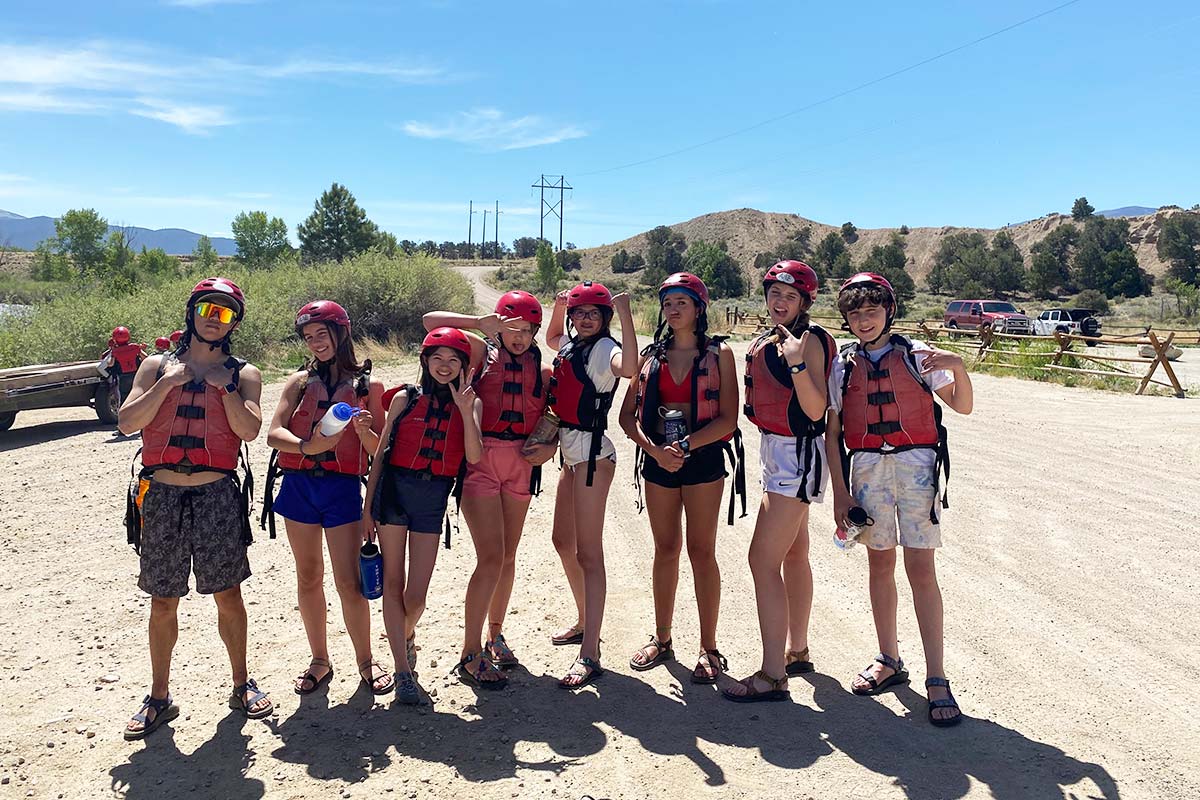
216 769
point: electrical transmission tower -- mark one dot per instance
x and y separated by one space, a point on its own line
550 207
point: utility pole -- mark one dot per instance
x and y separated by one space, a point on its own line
552 208
483 237
470 222
496 226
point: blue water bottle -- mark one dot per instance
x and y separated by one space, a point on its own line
370 571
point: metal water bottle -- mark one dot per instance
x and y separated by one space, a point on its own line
370 571
859 521
674 425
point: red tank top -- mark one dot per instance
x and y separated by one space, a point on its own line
671 392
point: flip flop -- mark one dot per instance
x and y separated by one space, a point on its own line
164 711
777 692
899 676
948 702
575 637
472 679
237 700
798 663
664 654
308 676
595 673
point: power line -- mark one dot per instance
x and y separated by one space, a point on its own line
838 95
549 207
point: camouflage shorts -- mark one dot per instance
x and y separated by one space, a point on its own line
192 527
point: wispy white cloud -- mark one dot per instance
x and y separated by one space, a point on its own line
492 129
403 73
46 102
203 3
10 177
194 119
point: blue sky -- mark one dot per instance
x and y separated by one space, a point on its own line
180 113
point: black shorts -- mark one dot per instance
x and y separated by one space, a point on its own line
200 527
701 466
415 500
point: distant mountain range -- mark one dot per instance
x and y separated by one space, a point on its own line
1127 211
27 232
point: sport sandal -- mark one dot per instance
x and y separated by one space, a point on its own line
947 702
238 700
476 678
709 667
899 676
384 684
663 654
313 682
501 654
164 711
778 690
797 662
572 635
594 673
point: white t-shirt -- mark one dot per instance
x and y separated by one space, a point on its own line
936 380
575 445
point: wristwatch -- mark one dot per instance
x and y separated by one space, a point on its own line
686 447
796 369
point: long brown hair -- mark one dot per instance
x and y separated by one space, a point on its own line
343 356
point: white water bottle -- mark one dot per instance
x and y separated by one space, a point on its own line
336 418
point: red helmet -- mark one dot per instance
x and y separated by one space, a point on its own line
176 336
448 337
589 293
869 277
521 305
120 335
162 343
325 311
796 274
688 283
221 286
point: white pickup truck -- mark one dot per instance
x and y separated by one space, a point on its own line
1076 321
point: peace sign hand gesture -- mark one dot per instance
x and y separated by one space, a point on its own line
791 349
464 396
492 325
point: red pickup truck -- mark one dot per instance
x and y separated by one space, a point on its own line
1001 315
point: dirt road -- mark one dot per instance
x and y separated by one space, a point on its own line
1070 582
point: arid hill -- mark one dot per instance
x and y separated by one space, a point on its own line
749 232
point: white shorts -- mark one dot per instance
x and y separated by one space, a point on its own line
782 465
575 447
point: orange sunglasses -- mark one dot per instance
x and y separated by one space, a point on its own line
222 314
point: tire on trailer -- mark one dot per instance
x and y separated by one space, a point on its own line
6 419
106 403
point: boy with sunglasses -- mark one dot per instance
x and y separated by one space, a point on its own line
195 407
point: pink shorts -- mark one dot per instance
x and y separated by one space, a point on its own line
502 469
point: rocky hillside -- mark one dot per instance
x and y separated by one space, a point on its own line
749 232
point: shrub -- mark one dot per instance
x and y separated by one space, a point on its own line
1093 299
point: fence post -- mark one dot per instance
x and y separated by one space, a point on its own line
985 341
1160 357
1064 344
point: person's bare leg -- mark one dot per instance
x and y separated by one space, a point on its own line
927 601
306 543
590 503
164 633
485 520
797 577
393 541
702 506
344 543
563 538
231 622
515 511
422 557
664 507
882 567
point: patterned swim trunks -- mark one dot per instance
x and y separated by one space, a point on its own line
898 495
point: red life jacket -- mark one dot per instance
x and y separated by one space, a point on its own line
705 380
348 457
771 402
190 432
511 390
887 407
574 398
127 357
428 437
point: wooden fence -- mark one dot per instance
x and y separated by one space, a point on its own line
988 347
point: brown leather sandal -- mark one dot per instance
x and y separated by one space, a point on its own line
778 690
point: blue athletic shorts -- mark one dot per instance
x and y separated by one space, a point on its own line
416 501
328 501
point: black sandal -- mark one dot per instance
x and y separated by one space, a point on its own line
595 672
371 664
472 678
899 676
721 665
310 678
664 654
164 711
797 662
948 702
778 690
238 700
574 636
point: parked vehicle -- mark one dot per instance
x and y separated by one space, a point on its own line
1076 321
1002 316
78 383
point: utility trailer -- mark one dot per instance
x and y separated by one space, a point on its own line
78 383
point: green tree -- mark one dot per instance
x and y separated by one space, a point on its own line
1045 275
549 273
337 229
1082 209
569 260
1104 260
205 255
156 263
48 263
889 261
1094 300
664 255
387 244
1179 246
622 261
1006 268
260 240
1187 296
849 232
720 271
118 254
525 247
80 234
830 255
